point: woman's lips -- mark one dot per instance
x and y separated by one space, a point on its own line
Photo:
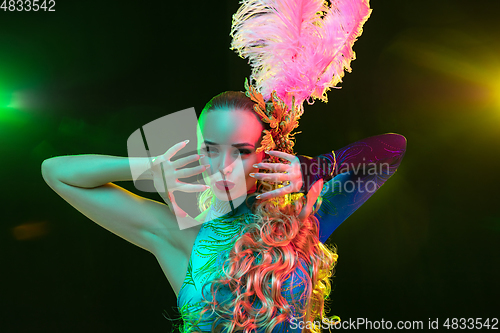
224 185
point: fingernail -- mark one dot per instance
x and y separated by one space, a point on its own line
252 175
256 166
267 151
201 155
207 166
258 197
186 141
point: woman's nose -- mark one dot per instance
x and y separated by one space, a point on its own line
227 163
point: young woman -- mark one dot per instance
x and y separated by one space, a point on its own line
264 247
258 266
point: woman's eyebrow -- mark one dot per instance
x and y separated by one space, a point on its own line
243 144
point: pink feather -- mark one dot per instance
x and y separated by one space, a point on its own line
298 47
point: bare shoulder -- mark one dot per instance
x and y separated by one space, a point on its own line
181 238
174 258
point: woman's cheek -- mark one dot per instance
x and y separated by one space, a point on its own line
259 157
213 162
208 173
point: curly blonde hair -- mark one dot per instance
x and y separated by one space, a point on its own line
275 244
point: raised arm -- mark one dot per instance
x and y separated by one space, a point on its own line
351 174
86 183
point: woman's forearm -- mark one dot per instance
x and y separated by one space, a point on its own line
376 154
89 170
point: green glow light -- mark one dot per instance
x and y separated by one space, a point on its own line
5 98
10 114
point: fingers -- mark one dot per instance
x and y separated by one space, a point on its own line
186 160
312 196
272 177
174 150
282 172
190 188
188 172
273 166
315 190
185 187
177 210
276 193
282 155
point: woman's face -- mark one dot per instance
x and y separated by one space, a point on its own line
228 141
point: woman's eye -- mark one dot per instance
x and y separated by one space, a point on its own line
244 151
210 150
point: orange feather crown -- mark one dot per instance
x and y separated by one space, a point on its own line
280 118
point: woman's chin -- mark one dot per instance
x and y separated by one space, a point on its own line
231 196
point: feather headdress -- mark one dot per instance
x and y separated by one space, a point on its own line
298 48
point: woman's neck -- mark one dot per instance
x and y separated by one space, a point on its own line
220 208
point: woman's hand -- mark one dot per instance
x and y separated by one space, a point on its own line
289 174
166 175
